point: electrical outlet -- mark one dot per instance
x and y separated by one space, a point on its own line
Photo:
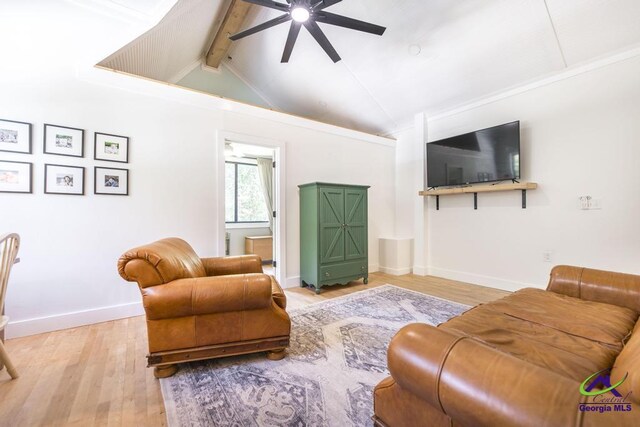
585 202
589 203
547 256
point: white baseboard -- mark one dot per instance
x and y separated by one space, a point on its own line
396 271
478 279
292 282
420 271
38 325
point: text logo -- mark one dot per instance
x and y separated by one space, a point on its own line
601 379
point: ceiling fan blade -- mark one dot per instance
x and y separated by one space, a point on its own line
325 4
354 24
291 41
271 4
272 23
322 40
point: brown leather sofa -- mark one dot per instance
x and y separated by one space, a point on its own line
521 360
201 308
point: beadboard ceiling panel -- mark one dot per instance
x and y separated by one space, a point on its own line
436 54
179 40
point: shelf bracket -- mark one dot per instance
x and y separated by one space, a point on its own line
437 203
524 199
475 201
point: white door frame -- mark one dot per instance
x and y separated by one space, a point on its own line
280 236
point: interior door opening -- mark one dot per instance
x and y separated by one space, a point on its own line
250 202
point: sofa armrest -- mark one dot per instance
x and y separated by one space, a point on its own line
475 384
207 295
223 266
596 285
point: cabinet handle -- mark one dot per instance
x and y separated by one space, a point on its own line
327 274
362 268
344 225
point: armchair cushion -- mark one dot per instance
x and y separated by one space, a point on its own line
278 295
208 295
242 264
160 262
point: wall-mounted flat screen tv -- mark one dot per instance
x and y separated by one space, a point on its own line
486 155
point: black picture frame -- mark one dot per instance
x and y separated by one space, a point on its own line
46 180
95 181
30 191
105 158
45 144
30 137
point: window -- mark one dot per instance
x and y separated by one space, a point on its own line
244 201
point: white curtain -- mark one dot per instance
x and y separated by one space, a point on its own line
265 172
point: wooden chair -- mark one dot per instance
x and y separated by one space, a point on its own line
9 245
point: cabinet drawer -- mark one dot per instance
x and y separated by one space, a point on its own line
347 269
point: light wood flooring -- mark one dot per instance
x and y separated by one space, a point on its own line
96 375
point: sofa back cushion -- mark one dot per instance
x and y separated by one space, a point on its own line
160 262
628 362
597 285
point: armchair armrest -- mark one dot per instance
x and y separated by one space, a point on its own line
222 266
596 285
207 295
477 385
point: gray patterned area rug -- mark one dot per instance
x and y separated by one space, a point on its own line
338 354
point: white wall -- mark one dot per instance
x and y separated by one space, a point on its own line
580 136
406 188
222 82
70 244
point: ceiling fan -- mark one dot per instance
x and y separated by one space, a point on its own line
308 13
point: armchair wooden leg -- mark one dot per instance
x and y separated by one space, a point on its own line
165 371
4 359
276 354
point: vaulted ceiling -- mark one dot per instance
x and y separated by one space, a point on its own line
435 55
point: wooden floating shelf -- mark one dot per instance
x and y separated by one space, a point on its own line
522 186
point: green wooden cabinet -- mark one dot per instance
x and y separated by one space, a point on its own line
333 234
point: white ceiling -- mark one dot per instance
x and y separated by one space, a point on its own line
469 49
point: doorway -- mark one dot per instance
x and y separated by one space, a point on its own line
251 197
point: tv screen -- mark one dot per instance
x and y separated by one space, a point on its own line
491 154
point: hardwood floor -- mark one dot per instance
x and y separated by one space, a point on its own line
96 375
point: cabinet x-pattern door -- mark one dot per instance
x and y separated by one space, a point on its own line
332 221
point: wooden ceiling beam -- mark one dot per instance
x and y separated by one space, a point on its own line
231 24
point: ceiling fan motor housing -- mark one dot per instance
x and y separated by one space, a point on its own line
307 13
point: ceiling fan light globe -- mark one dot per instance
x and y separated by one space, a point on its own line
300 14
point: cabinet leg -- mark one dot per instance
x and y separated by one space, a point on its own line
318 291
365 280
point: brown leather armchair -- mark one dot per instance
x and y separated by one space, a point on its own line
202 308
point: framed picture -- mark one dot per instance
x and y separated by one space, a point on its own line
111 181
15 137
63 141
111 148
15 177
61 179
